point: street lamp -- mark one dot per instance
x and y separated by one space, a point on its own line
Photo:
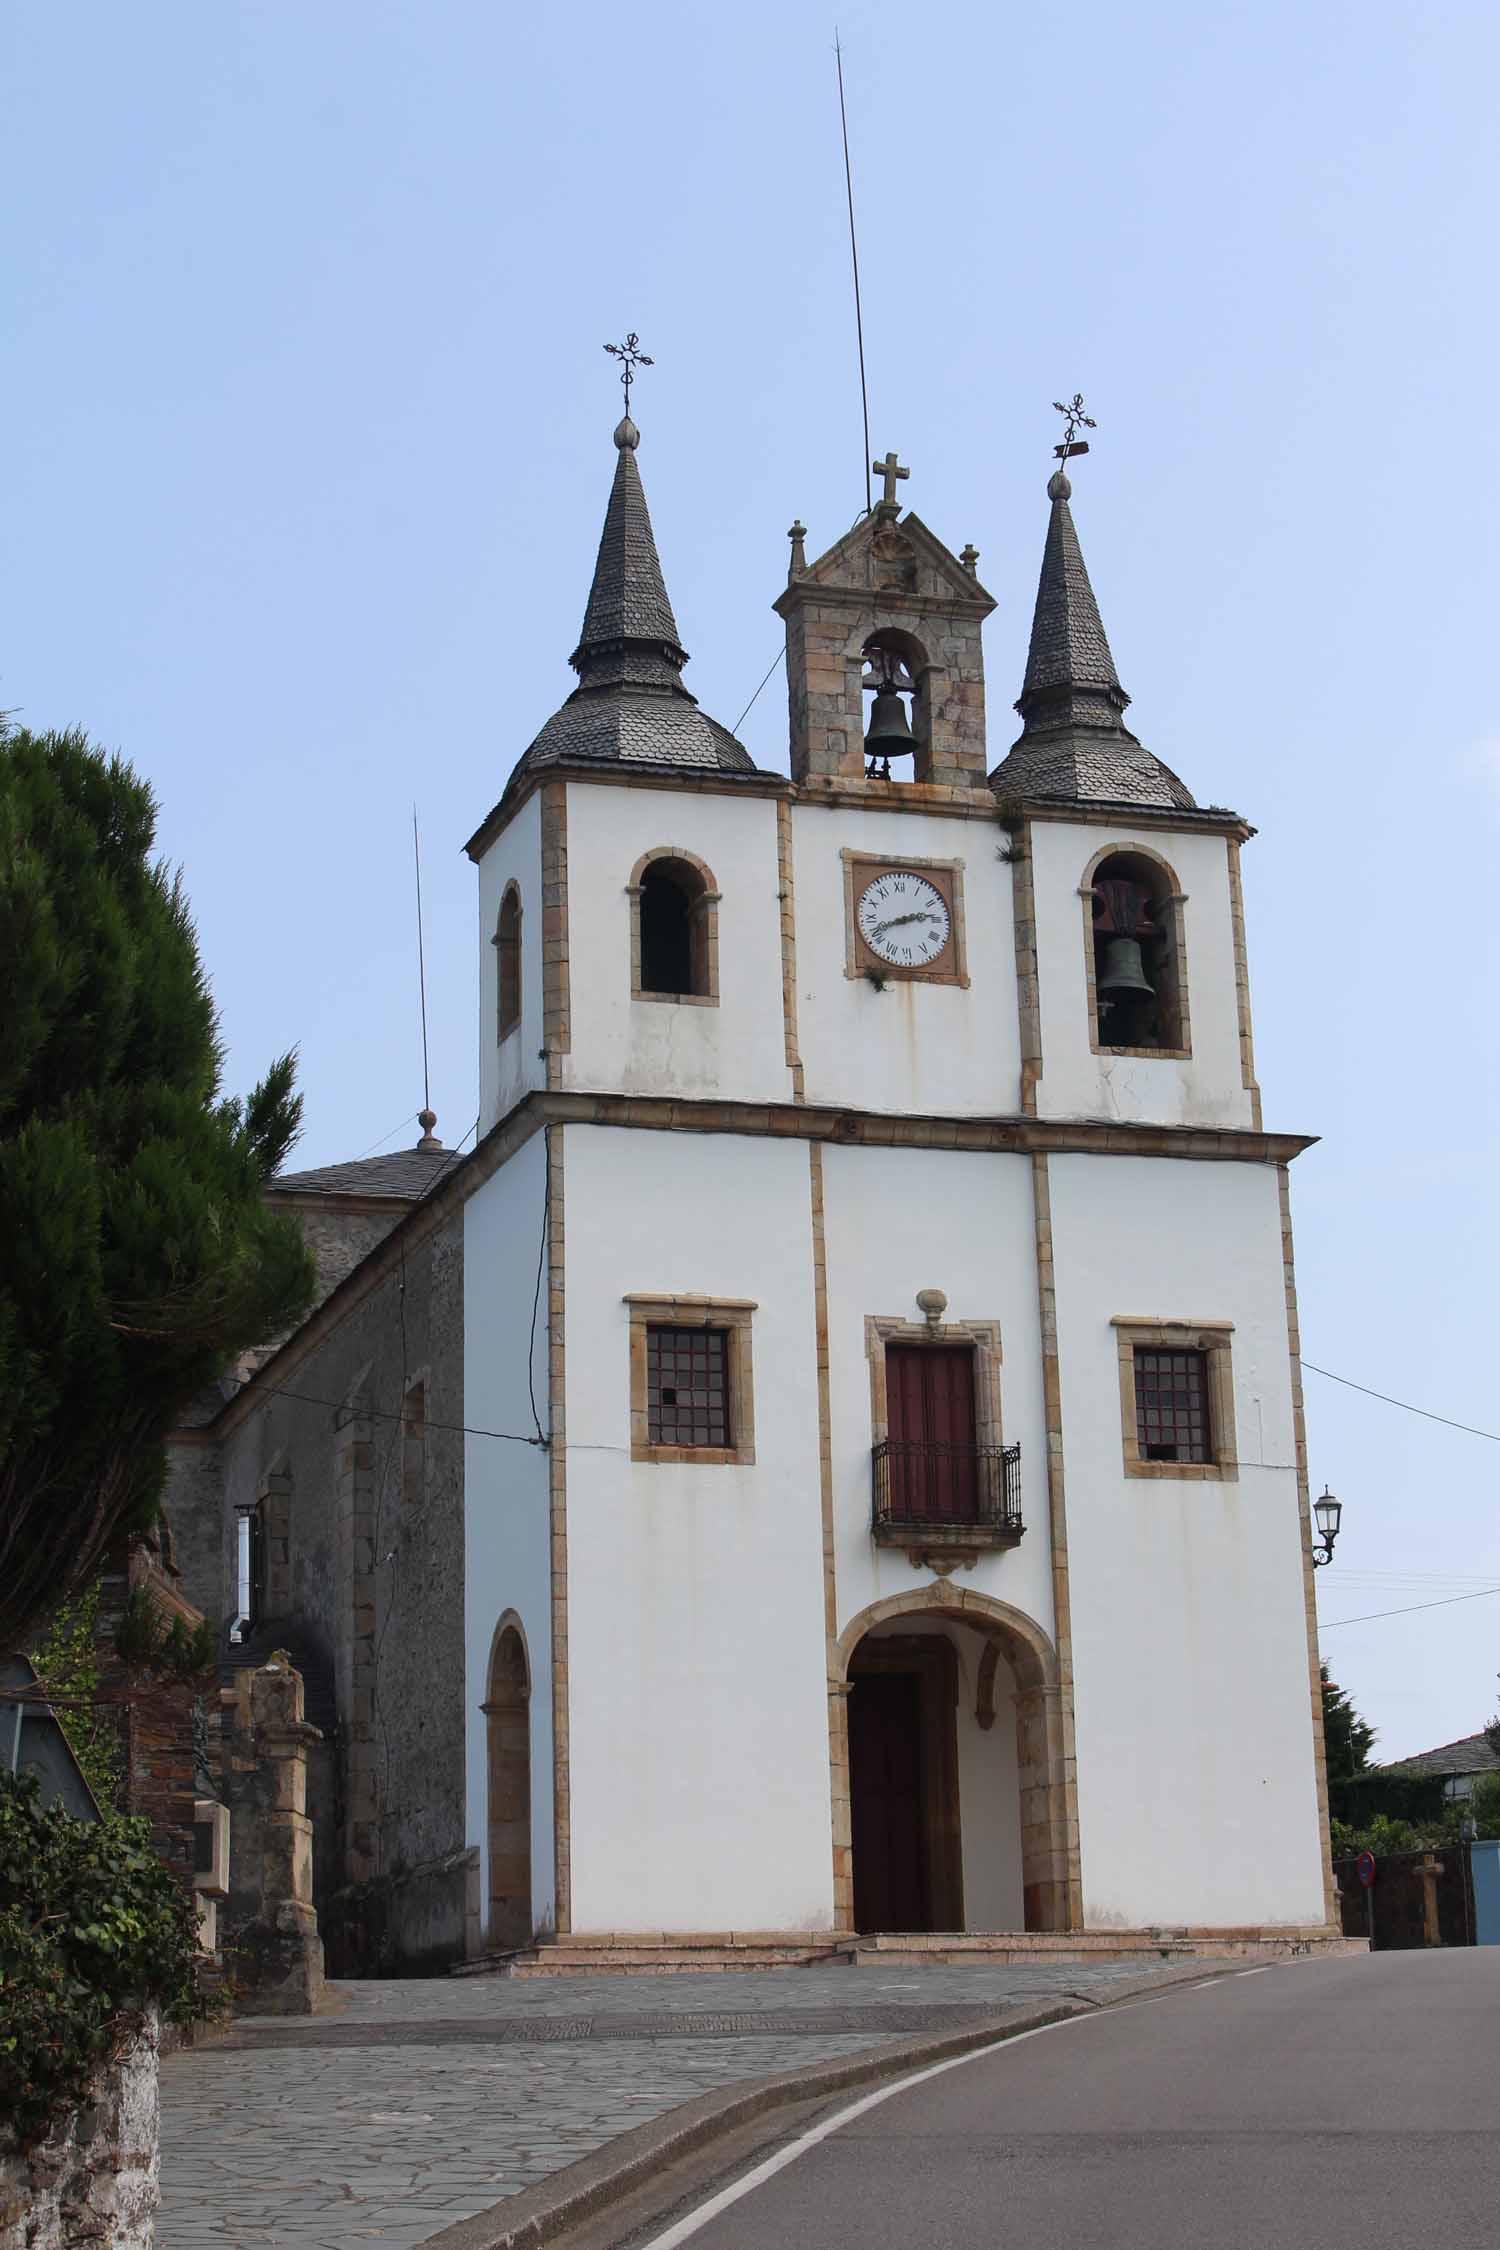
1328 1512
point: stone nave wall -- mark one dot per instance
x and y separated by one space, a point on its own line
353 1455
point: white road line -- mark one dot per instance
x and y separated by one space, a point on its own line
686 2228
693 2224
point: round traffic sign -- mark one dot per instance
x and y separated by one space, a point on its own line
1364 1868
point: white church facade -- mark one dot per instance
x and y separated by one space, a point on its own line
873 1223
925 1515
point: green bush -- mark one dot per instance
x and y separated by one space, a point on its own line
93 1929
1484 1804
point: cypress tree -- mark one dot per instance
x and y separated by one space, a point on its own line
136 1255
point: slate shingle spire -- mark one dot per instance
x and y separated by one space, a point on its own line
1074 742
1070 673
630 706
628 601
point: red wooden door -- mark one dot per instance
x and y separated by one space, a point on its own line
929 1391
886 1809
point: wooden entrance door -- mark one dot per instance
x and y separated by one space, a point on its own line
888 1811
929 1391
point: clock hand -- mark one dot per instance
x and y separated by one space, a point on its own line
923 914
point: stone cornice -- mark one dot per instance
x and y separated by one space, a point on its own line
979 803
1012 1135
697 780
849 1128
289 1200
1215 820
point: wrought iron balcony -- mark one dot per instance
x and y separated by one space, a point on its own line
932 1496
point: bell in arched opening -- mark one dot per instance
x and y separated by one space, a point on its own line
889 733
1123 928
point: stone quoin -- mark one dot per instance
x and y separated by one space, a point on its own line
830 1460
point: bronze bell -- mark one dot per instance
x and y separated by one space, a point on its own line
1124 970
889 733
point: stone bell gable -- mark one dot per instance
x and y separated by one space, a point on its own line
889 580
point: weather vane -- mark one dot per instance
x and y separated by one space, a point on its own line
630 358
1074 420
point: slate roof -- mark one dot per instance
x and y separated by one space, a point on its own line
1074 744
404 1175
1470 1754
1068 645
630 706
1118 771
628 599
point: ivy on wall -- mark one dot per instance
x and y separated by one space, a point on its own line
94 1929
67 1664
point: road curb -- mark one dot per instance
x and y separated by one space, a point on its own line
586 2189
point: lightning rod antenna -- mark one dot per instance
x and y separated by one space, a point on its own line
416 853
859 322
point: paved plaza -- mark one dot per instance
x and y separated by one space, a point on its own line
419 2103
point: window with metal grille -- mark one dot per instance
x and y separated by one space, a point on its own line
687 1386
1171 1406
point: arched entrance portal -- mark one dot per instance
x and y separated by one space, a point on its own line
507 1712
955 1815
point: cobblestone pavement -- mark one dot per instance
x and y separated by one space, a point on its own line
422 2102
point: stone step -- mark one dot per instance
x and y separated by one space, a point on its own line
624 1953
627 1954
1007 1949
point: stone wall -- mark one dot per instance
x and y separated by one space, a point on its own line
94 2179
414 1921
195 1511
364 1467
337 1236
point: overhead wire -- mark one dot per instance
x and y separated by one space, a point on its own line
1410 1610
390 1136
1404 1404
750 706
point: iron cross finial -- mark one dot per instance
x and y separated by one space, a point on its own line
1074 420
890 469
630 357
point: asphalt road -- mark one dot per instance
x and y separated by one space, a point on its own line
1324 2105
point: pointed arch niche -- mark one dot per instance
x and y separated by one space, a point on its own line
507 1713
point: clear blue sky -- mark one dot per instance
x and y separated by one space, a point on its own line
307 432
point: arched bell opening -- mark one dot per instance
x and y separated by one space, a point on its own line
953 1751
507 1712
1135 939
894 673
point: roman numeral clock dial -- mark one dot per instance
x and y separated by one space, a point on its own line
904 919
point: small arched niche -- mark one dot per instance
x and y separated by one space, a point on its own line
508 964
1135 953
674 950
507 1712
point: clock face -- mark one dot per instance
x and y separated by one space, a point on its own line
904 919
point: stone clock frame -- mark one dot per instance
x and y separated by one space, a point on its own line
946 876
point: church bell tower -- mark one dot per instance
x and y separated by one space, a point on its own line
888 611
